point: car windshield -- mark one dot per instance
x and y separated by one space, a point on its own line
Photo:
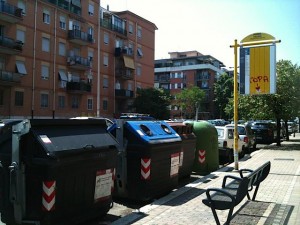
261 125
241 130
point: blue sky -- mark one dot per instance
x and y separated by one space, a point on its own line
211 26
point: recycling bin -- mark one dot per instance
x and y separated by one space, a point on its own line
150 159
56 171
188 147
207 154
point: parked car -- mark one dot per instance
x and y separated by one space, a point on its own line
247 136
264 131
292 127
226 143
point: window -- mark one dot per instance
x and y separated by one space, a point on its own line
75 102
138 71
91 9
75 25
90 55
61 102
105 60
19 98
21 5
139 32
129 87
91 31
45 44
90 104
63 78
44 100
105 82
62 49
62 22
45 72
46 16
105 104
130 28
106 38
20 67
139 52
21 35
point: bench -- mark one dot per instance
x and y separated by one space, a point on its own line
235 189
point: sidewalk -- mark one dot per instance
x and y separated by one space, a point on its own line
277 201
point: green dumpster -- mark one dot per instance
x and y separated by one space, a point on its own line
207 154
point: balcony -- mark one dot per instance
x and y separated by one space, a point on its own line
9 78
79 87
123 51
10 13
10 46
78 63
106 23
67 5
163 79
79 37
126 74
123 93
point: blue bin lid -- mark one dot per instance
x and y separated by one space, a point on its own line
153 131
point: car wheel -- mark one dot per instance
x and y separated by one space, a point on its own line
242 153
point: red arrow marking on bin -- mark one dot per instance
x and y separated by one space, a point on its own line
145 169
48 200
201 157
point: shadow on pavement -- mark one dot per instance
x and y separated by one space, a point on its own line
269 212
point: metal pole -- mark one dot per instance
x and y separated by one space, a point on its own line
235 106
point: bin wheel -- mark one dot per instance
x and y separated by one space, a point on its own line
230 155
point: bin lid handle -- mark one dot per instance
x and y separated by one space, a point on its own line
89 147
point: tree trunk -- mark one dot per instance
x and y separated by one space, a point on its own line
278 128
286 130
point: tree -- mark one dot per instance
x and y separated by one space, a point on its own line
223 90
284 105
154 102
189 100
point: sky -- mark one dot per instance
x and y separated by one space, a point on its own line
211 26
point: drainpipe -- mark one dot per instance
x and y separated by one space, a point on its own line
98 72
34 61
54 65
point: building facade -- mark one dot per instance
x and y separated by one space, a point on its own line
67 58
185 69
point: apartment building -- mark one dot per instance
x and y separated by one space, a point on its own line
67 58
185 69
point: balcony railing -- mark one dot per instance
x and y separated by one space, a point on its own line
163 79
10 46
80 37
79 87
108 24
10 13
9 77
124 93
123 51
77 62
66 4
126 74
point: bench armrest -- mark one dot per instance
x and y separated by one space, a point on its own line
231 177
245 171
220 191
